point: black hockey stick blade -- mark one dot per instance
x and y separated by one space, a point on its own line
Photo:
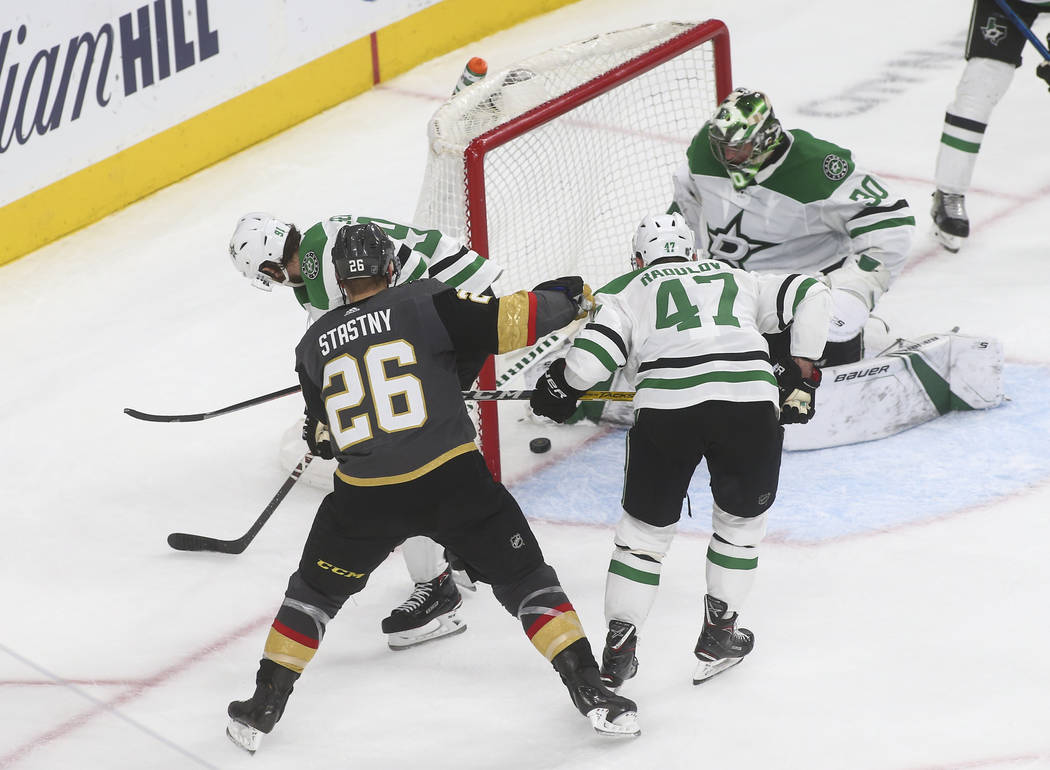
181 541
208 415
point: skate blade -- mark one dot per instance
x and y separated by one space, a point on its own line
706 669
624 726
950 242
463 580
248 738
438 628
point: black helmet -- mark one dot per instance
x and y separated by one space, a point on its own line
364 251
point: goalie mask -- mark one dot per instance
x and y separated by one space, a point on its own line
663 235
364 251
743 134
259 239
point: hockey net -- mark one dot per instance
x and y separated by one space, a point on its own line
548 165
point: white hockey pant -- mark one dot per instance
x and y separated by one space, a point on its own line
732 556
424 558
983 83
634 570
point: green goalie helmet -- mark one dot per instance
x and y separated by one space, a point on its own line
743 134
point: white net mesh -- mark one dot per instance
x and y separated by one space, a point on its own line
566 197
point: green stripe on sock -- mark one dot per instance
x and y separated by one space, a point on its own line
730 562
959 144
637 575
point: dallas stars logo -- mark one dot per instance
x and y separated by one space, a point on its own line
730 245
992 31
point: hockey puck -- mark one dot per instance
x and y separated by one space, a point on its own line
540 445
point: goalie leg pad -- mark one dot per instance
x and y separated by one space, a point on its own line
634 569
732 556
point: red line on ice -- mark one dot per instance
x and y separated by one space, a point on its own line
137 688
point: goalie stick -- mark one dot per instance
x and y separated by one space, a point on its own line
182 541
208 415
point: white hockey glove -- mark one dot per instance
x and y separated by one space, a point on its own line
849 313
318 438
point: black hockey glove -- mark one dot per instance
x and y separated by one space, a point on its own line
317 437
798 394
553 397
1043 71
573 287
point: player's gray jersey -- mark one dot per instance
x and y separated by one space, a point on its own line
687 332
386 371
422 253
810 211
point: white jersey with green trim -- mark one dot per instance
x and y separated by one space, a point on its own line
813 210
422 253
687 332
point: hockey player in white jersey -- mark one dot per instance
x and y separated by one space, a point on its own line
765 199
268 250
689 335
993 54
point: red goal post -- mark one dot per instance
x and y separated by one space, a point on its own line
548 165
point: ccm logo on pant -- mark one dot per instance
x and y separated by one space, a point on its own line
338 570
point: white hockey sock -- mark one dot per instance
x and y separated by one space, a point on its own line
983 84
731 571
634 570
630 586
424 558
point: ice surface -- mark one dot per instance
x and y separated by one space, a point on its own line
900 609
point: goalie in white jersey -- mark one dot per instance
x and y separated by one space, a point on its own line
765 199
267 250
689 335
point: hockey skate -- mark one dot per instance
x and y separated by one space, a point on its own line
429 613
721 644
251 719
950 223
610 714
619 662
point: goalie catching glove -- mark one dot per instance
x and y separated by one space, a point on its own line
553 397
318 438
575 289
798 393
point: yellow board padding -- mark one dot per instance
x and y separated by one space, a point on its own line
123 178
449 25
111 184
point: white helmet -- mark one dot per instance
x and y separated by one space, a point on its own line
259 237
663 235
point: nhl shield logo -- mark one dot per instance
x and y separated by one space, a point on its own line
310 266
993 31
835 168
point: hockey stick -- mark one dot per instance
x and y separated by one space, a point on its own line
208 415
181 541
525 395
1023 28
